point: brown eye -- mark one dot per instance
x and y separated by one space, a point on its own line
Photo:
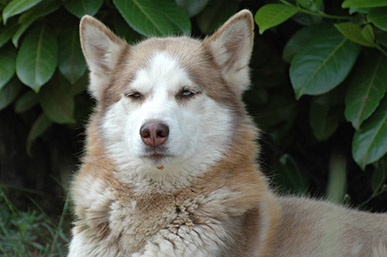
134 95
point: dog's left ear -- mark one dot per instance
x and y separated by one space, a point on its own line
231 46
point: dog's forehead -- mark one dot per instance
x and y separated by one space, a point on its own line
162 70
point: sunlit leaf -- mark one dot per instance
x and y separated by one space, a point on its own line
271 15
18 6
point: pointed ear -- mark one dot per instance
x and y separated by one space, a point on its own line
102 49
231 46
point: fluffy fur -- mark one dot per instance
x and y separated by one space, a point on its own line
201 193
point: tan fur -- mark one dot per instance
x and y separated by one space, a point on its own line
227 211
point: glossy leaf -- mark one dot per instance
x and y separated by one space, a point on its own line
6 32
366 89
215 14
9 92
83 7
154 18
354 33
18 6
378 16
322 64
193 7
325 115
57 101
370 141
26 101
368 33
37 57
26 19
70 60
363 3
300 39
7 64
271 15
41 124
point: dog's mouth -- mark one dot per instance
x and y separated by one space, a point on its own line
156 154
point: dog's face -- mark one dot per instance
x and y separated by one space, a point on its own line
168 105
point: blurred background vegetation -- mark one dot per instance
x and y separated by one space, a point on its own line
318 92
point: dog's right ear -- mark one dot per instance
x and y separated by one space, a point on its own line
101 48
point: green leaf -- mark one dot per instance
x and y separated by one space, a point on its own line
41 124
300 39
215 14
366 89
370 141
57 101
271 15
363 10
368 34
354 33
322 64
26 101
70 60
17 6
26 19
337 183
325 114
9 92
83 7
154 18
6 32
7 64
37 58
193 7
363 3
378 16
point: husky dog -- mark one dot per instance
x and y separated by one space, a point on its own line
170 159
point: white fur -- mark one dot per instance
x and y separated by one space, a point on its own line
200 128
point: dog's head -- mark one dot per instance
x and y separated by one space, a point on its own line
168 105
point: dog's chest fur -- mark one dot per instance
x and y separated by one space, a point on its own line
137 217
203 215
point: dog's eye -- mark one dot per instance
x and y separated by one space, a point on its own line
134 95
186 93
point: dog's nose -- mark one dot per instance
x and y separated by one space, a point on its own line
154 133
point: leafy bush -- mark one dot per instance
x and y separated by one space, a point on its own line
322 102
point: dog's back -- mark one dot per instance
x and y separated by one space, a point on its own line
317 228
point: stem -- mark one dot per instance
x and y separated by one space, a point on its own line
319 14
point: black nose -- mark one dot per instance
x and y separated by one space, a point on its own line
154 133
